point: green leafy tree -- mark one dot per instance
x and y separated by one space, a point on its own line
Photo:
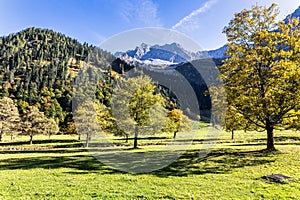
9 117
137 108
224 114
261 74
104 117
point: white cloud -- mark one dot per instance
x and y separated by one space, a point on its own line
188 21
141 12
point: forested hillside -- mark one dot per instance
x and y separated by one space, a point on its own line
37 67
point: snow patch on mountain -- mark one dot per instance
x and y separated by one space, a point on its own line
168 54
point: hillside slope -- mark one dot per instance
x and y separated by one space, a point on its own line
37 67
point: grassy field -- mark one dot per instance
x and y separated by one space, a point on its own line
60 168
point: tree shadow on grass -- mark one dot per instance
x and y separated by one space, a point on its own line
262 144
42 151
145 138
79 162
48 141
280 139
219 161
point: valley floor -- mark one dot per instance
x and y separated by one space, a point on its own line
60 168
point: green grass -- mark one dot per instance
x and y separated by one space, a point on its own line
60 168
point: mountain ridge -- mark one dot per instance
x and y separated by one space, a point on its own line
173 53
295 14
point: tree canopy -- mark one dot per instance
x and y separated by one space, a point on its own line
261 74
34 122
136 106
9 117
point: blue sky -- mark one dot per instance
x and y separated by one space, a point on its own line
94 21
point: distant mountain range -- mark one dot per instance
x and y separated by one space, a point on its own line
174 53
167 54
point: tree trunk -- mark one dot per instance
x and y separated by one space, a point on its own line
30 141
1 133
136 133
232 134
270 138
87 140
174 136
79 136
12 137
126 139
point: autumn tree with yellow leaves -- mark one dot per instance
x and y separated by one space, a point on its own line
261 75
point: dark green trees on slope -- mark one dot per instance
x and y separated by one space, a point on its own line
37 67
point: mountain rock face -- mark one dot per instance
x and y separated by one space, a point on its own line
173 53
185 73
217 53
295 14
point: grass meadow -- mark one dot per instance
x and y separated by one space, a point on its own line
61 168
